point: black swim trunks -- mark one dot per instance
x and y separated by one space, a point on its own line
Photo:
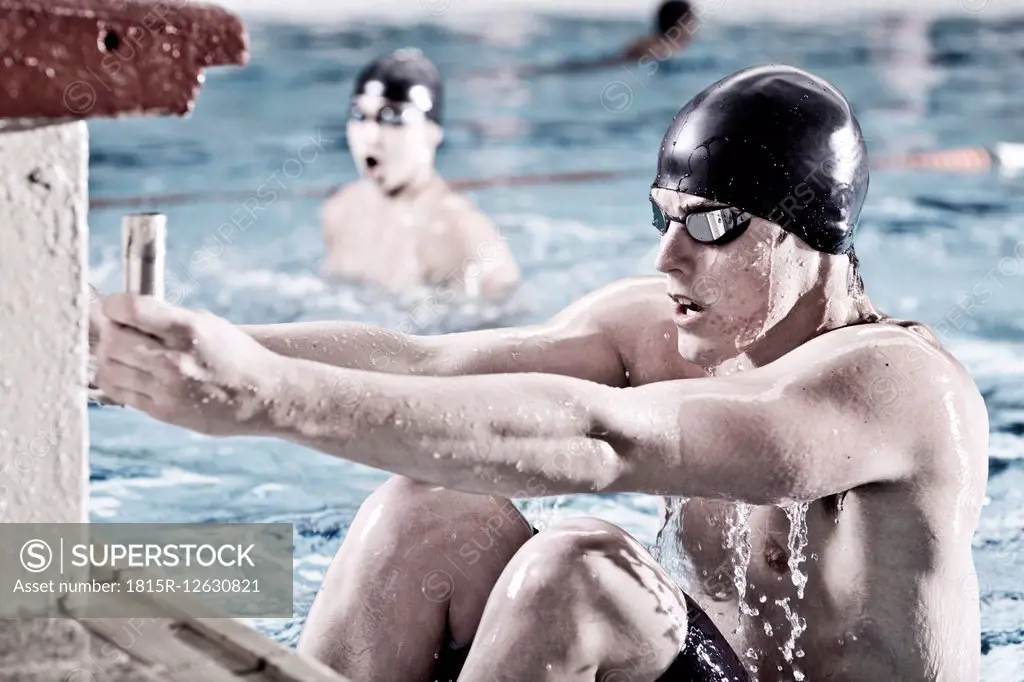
706 657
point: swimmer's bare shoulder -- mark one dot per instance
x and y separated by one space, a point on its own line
915 392
477 238
921 430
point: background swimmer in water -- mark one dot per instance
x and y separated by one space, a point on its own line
675 24
400 225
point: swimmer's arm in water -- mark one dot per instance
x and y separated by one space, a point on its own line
580 341
802 428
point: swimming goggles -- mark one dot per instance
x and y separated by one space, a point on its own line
711 226
389 114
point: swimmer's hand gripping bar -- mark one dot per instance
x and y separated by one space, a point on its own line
144 252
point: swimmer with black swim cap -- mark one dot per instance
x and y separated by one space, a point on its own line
675 25
741 154
756 374
401 226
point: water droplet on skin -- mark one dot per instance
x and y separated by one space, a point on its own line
437 455
206 400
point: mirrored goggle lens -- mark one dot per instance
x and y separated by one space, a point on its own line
717 226
387 115
660 219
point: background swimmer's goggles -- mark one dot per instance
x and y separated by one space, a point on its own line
710 226
389 114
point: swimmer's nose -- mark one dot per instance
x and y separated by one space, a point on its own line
676 252
371 131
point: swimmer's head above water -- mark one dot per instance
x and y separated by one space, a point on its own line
761 179
671 14
394 125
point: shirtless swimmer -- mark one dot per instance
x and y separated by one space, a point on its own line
401 226
766 377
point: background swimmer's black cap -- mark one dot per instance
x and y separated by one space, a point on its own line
671 13
777 142
405 75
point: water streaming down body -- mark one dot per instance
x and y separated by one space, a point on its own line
788 649
738 540
796 512
668 548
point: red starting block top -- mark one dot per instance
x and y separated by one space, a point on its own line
103 58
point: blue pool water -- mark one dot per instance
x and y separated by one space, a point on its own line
926 240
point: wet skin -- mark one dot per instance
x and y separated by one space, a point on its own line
401 226
780 387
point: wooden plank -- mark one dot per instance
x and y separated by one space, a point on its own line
283 664
237 637
208 672
181 648
147 640
157 648
230 657
154 642
290 667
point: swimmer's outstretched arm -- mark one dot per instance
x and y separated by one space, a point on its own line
575 342
801 429
808 425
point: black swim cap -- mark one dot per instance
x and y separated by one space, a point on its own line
671 13
404 76
776 142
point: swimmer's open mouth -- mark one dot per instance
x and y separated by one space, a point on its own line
685 304
371 162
